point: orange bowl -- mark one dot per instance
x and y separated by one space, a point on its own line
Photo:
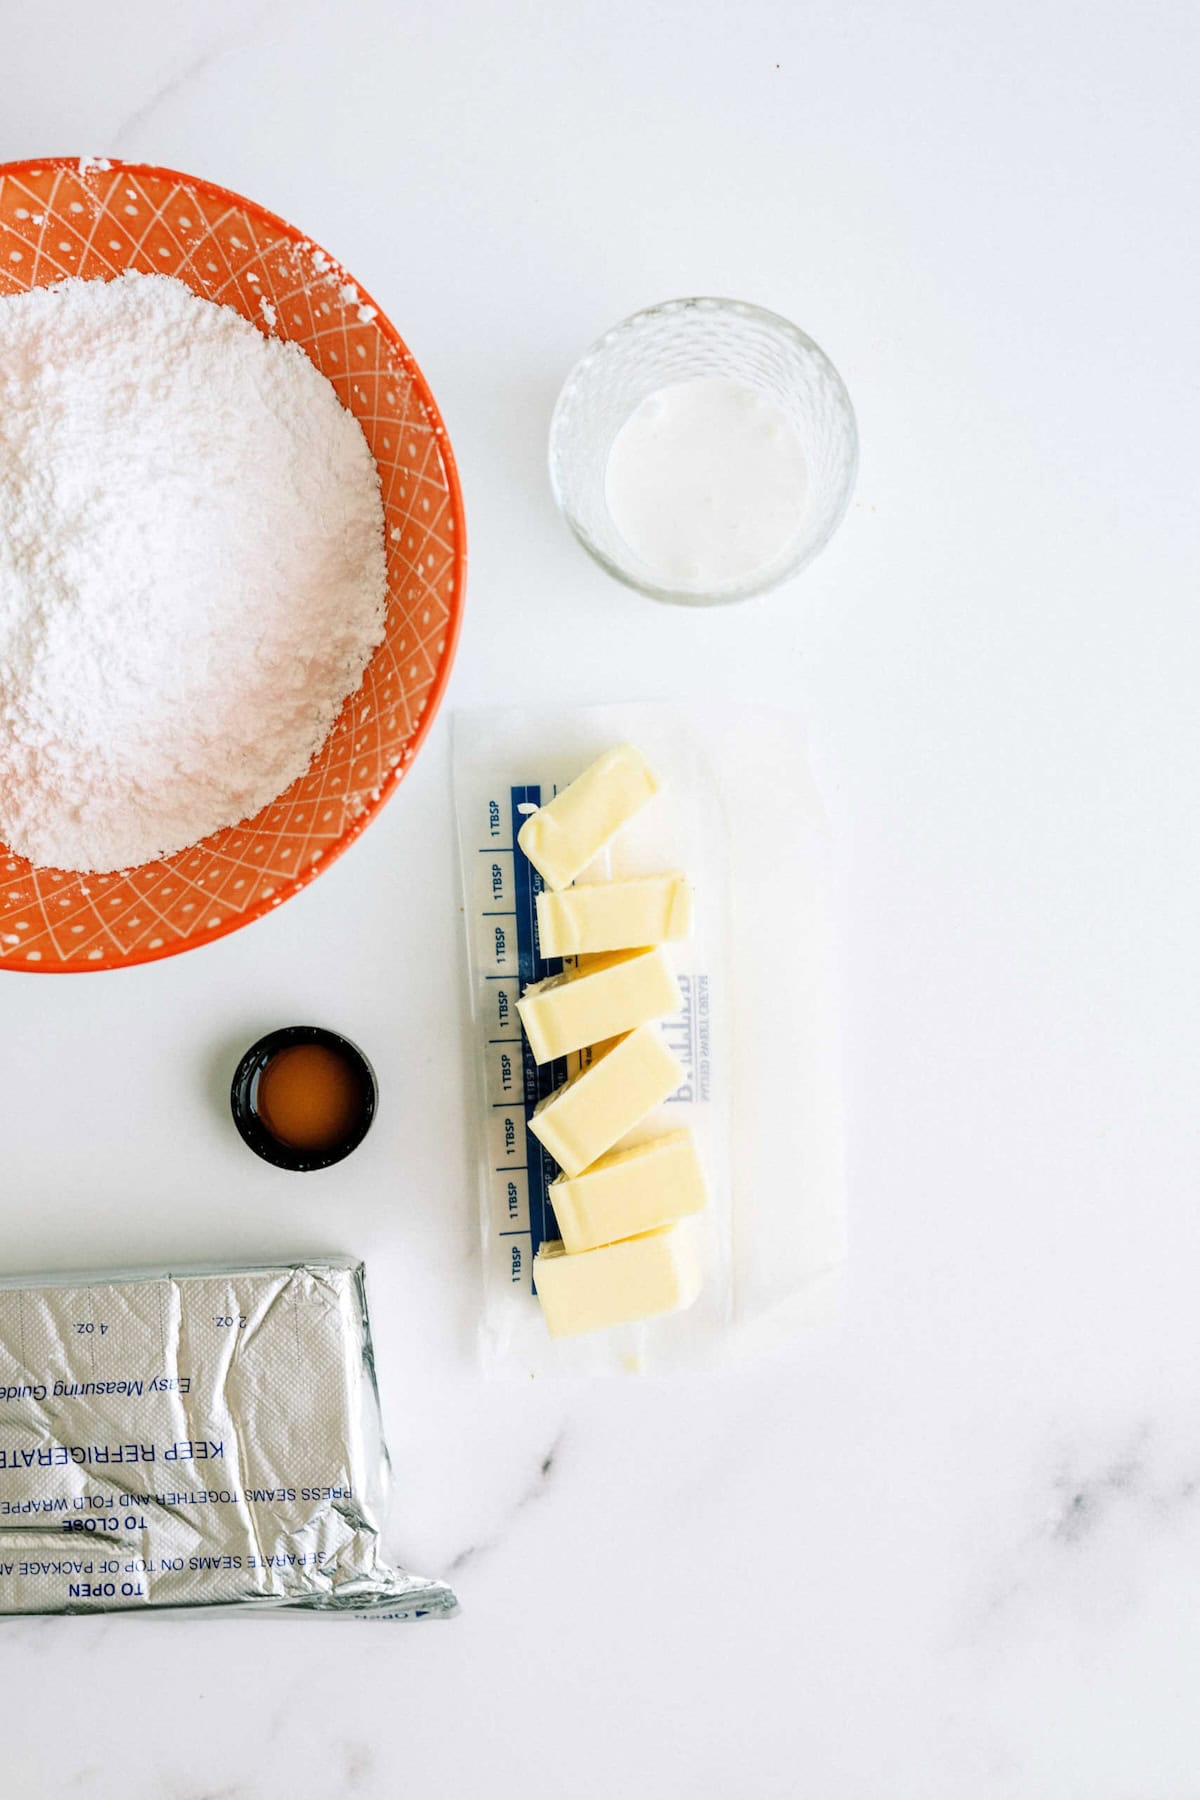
61 217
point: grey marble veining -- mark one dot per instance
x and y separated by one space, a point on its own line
537 1489
948 1550
123 137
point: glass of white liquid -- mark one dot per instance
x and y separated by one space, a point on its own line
703 451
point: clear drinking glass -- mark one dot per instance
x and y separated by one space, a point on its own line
682 340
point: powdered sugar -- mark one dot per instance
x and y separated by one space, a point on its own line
192 570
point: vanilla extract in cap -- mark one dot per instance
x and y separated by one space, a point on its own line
303 1097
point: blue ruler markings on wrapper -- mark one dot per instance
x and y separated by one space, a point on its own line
538 1079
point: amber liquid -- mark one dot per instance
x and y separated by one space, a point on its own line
309 1097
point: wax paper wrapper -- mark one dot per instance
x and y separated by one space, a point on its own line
757 1033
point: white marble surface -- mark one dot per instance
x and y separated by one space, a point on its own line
949 1548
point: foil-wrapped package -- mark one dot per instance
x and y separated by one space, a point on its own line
207 1439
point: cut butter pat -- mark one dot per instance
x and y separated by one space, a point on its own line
562 837
587 1115
615 993
658 1272
614 915
629 1192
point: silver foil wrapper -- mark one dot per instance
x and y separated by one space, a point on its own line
207 1439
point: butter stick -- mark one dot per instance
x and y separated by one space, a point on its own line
587 1115
562 837
628 1192
658 1272
615 993
614 915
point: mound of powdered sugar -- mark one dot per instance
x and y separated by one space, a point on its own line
192 572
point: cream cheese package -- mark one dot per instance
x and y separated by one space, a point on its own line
194 1440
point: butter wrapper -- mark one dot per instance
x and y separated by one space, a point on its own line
194 1440
757 1032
